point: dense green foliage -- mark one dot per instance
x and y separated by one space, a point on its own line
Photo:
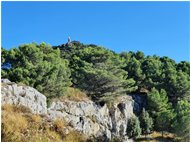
182 120
133 128
146 122
160 109
103 75
98 72
38 66
159 72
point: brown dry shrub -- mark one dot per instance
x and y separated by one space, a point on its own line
59 125
15 108
74 94
36 118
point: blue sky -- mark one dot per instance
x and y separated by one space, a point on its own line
160 28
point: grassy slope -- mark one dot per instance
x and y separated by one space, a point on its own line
20 125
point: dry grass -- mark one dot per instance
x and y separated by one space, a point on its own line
3 84
6 84
18 125
157 137
59 125
21 84
75 136
13 125
74 94
36 118
52 135
16 108
7 107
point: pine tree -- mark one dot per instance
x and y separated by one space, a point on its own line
133 127
182 120
160 109
39 66
146 122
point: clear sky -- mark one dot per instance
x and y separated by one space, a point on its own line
160 28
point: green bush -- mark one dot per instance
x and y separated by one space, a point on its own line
133 127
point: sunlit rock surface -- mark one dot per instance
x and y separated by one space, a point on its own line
94 120
12 93
85 116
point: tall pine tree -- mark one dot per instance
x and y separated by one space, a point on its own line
146 122
160 109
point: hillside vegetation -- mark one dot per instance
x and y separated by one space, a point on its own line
20 125
103 75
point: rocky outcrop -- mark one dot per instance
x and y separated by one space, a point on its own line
120 114
84 116
12 93
94 120
5 81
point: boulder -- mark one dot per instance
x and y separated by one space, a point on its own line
12 93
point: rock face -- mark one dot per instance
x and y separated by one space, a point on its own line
140 102
93 120
120 114
5 81
84 116
12 93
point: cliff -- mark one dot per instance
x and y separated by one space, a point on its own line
84 116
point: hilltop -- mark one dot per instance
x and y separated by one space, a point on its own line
104 75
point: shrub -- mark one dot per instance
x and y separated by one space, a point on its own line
16 108
59 125
133 128
36 118
74 94
146 122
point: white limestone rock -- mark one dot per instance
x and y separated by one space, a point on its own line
94 120
12 93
